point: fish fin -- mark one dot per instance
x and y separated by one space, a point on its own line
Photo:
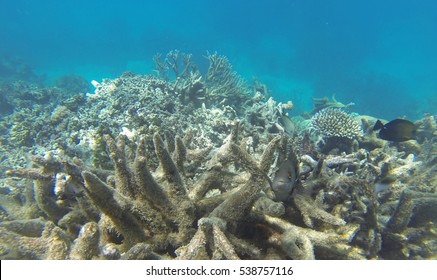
378 125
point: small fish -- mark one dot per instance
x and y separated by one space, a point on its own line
398 130
67 190
379 189
286 178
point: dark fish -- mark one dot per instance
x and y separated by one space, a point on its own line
286 178
397 130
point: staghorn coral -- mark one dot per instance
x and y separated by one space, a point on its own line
174 186
410 232
391 214
334 214
52 243
173 62
299 243
221 84
224 85
158 209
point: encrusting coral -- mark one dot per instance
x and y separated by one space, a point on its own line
153 168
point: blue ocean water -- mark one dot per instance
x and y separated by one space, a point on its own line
379 54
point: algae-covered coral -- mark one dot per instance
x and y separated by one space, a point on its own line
180 166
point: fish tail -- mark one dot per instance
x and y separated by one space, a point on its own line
378 125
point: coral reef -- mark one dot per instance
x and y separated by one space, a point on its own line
159 209
73 83
331 122
337 129
180 166
14 68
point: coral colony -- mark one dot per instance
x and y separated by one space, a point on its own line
181 165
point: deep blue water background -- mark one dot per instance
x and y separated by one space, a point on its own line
381 55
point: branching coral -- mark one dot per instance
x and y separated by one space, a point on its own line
222 79
410 233
133 105
140 213
178 62
392 218
165 214
143 169
299 243
337 128
160 209
331 122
